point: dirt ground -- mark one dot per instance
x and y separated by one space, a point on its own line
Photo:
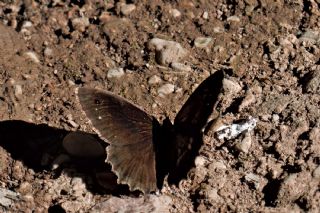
269 51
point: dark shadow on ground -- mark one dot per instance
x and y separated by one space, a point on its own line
30 143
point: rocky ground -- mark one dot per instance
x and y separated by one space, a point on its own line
155 54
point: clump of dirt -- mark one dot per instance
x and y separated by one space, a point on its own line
269 52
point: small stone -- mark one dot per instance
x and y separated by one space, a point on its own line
175 13
310 36
154 80
233 18
217 165
25 187
181 67
253 178
245 144
31 55
115 73
17 90
167 52
316 173
82 145
202 42
126 9
166 89
48 52
205 15
200 161
7 197
26 24
213 195
80 24
247 101
218 30
231 86
78 186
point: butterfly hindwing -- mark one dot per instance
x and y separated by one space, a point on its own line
129 131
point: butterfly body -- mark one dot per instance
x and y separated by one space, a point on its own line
141 151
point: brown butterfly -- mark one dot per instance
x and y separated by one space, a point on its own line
141 151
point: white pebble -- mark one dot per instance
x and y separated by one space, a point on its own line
202 42
115 73
233 18
205 15
154 79
175 13
200 161
181 67
166 89
31 55
17 90
47 52
126 9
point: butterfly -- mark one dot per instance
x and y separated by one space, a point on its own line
142 151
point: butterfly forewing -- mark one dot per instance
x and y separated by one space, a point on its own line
195 112
190 121
128 130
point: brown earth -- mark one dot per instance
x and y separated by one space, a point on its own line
269 51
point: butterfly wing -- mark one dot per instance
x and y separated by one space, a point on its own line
194 113
128 130
190 121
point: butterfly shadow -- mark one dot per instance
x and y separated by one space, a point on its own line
39 146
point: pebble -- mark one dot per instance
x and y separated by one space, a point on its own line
7 197
217 165
205 15
82 145
166 89
126 9
218 30
310 36
231 86
80 24
247 101
245 143
48 52
316 173
202 42
154 80
31 55
115 73
253 178
17 90
26 24
233 18
181 67
200 161
175 13
167 52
